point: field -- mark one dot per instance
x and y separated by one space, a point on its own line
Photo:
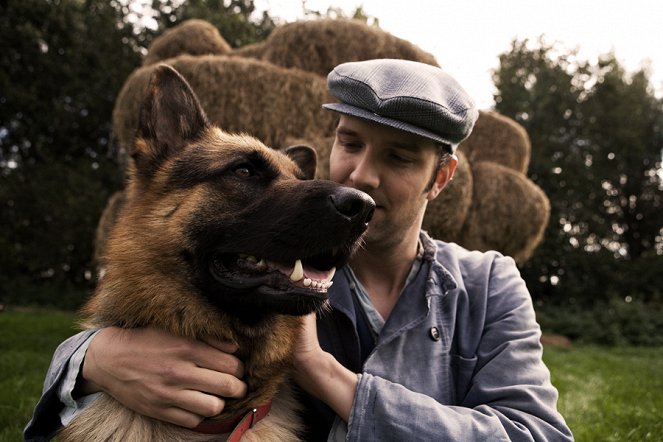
606 394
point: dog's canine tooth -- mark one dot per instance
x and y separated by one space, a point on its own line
297 271
332 272
261 264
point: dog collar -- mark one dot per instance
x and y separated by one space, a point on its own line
236 426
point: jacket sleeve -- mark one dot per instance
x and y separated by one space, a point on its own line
45 420
507 396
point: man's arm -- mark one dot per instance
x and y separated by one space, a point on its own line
163 376
157 374
45 420
321 375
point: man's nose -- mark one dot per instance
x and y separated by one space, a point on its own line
365 174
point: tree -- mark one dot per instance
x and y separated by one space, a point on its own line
624 134
596 137
62 65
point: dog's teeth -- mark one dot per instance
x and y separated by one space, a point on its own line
332 272
329 284
261 264
252 259
297 271
307 282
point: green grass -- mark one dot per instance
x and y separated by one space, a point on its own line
606 394
27 341
610 394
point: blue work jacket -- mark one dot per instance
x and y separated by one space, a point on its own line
458 359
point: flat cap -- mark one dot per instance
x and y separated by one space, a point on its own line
407 95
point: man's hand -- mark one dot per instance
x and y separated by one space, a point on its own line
320 374
163 376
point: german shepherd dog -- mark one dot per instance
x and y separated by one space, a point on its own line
220 237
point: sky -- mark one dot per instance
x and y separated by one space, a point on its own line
467 36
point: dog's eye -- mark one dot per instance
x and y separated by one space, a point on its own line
243 171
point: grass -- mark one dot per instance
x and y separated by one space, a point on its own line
27 340
606 394
610 394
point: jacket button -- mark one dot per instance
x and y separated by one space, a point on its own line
435 334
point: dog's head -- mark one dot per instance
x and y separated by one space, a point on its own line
246 226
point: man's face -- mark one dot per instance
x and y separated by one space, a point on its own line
394 168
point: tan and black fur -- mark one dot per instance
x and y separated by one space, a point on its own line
197 200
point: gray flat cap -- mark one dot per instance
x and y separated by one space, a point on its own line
407 95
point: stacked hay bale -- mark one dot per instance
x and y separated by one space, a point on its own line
318 46
239 95
193 37
273 90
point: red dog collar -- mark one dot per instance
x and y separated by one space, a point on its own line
236 426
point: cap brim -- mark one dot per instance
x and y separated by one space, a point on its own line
358 112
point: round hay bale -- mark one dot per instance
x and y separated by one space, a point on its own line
193 37
498 139
509 213
322 146
319 45
239 95
445 215
253 50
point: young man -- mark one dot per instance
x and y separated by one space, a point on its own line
425 340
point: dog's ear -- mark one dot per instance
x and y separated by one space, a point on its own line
305 157
171 116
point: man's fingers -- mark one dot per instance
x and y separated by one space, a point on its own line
215 383
200 404
178 416
224 346
215 358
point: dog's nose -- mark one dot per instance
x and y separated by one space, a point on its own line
353 204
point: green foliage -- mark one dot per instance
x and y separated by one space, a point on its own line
597 135
609 394
336 13
613 322
28 340
62 66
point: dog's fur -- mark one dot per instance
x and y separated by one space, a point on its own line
199 200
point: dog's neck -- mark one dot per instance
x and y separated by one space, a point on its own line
266 366
265 348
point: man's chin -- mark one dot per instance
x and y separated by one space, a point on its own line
376 235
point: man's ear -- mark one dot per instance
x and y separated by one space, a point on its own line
444 175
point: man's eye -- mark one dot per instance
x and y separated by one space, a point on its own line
351 146
400 159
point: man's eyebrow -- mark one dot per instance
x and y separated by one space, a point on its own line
411 146
345 131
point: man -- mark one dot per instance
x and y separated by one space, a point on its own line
425 340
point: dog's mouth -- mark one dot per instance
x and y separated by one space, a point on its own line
309 276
